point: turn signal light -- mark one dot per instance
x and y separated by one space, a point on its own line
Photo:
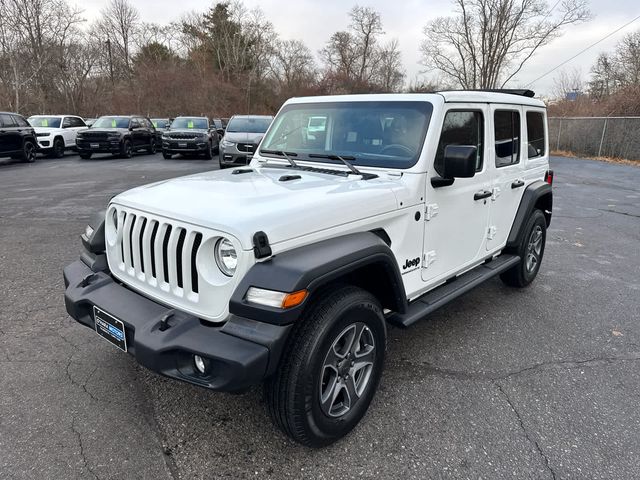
294 299
275 299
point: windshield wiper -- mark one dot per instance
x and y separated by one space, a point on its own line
284 154
344 159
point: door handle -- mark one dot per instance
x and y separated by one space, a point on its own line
517 184
481 195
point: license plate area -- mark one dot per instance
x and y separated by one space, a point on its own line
94 145
110 328
182 145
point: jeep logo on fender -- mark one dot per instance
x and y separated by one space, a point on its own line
411 263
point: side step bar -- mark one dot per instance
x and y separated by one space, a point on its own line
440 296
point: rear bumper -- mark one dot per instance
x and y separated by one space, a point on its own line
240 353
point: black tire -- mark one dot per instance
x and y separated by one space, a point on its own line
28 154
85 156
58 148
208 154
126 150
312 367
151 150
530 250
167 156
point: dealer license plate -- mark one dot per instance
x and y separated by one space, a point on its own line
110 328
95 145
182 145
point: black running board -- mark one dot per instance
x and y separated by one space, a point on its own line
440 296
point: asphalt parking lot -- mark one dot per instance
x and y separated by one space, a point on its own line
535 383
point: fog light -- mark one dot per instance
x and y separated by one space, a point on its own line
200 363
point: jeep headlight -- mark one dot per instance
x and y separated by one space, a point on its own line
226 257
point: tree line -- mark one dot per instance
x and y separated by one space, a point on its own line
613 88
230 59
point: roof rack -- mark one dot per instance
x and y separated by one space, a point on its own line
510 91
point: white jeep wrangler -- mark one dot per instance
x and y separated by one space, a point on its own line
287 271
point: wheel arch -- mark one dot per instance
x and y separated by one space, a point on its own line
360 259
538 195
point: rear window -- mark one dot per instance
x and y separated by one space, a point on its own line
535 134
507 137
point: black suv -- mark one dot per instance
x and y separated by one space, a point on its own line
17 137
191 136
118 135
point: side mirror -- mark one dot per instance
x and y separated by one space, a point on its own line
460 161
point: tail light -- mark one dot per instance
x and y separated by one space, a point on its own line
548 177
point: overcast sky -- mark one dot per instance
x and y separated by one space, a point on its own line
313 21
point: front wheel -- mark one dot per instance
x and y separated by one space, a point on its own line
208 153
28 152
85 156
58 148
166 155
530 251
126 150
151 150
330 369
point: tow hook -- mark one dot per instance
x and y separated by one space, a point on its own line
164 322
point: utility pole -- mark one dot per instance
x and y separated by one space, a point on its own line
108 42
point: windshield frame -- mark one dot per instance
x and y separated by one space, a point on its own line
110 118
173 126
45 117
256 118
362 159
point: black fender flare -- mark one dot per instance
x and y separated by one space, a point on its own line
362 258
536 195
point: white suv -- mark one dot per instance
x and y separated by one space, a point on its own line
56 133
356 211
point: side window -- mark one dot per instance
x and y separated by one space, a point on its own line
507 133
461 128
535 134
67 123
19 121
134 123
77 122
6 121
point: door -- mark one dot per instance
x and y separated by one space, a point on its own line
508 184
11 139
457 214
68 135
137 135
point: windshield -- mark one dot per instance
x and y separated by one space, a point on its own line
249 125
377 134
111 122
45 122
160 122
190 122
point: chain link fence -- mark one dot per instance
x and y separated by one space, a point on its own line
616 137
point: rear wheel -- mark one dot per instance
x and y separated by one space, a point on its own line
58 148
28 152
530 251
331 368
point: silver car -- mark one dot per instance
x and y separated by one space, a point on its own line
241 138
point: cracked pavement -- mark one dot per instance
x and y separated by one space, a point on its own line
534 383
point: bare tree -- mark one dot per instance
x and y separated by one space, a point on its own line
567 82
366 25
292 66
118 27
488 42
390 73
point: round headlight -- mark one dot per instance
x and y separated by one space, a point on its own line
226 257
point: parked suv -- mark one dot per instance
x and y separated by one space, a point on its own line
391 207
190 136
117 135
241 138
17 137
56 133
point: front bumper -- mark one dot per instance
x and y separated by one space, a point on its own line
98 146
44 143
240 353
231 156
184 146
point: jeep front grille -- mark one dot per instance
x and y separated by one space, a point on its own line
159 253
